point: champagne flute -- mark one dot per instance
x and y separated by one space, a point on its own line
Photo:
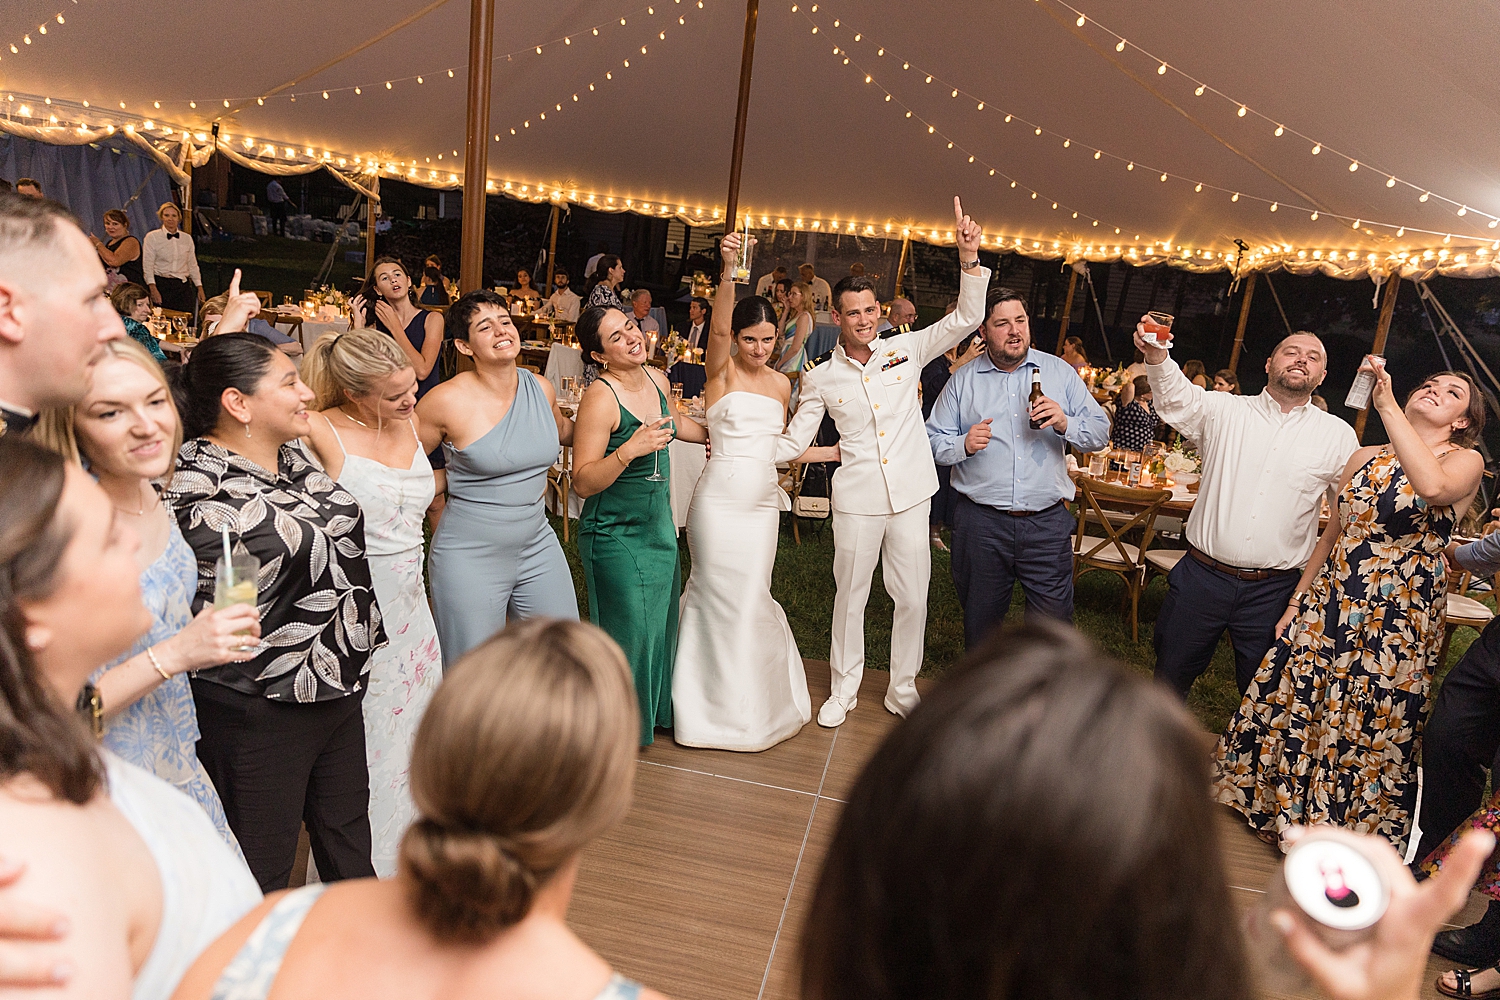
656 476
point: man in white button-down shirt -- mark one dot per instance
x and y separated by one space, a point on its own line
1268 460
884 486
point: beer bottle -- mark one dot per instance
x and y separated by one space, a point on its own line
1036 395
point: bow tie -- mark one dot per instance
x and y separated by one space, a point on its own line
173 236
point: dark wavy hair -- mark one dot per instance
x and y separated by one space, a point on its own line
587 329
1468 436
461 313
1037 828
749 312
852 283
38 735
228 361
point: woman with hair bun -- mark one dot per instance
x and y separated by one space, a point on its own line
365 435
525 757
738 682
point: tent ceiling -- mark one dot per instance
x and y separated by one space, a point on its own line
1406 93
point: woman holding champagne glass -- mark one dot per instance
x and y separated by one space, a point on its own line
738 682
627 539
126 433
283 737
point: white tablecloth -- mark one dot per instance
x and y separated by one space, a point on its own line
688 461
563 362
313 331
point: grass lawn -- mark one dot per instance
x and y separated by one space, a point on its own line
803 583
273 264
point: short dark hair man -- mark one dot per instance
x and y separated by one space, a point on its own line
882 491
1009 461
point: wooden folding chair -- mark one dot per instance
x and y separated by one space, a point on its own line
1461 610
560 478
265 299
1111 552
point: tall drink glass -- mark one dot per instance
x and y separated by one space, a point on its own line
237 582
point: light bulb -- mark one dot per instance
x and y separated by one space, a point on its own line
1425 196
1279 130
1314 217
1235 196
1161 70
1464 210
1353 165
1198 188
1081 20
1164 178
1120 45
1274 206
1317 149
1390 182
1097 154
1241 111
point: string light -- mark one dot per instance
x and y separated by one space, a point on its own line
1243 109
1130 165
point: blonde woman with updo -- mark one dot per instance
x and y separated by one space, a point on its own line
525 757
365 435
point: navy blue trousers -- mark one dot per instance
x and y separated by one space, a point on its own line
1201 604
993 551
1461 741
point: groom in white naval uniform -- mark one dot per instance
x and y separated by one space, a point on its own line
883 489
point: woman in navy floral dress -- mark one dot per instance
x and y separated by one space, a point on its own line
1328 729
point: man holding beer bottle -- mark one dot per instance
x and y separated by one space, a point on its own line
1004 423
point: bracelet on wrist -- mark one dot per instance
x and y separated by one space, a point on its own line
156 664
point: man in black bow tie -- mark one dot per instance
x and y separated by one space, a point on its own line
54 313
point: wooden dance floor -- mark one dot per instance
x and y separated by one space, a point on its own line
702 891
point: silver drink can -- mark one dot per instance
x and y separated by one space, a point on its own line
1359 392
1328 881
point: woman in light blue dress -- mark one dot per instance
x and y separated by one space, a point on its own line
126 433
494 557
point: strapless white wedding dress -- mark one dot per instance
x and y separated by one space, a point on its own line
738 683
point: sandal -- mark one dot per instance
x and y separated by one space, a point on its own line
1465 988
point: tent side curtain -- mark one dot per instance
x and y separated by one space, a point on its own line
91 178
365 184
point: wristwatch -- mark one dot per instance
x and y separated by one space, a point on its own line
966 264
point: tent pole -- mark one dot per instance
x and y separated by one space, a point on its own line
741 113
1067 316
1239 330
477 146
1382 330
901 267
552 250
369 237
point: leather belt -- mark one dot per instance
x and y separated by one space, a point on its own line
1235 571
1031 513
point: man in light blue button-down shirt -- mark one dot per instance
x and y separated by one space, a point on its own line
1010 524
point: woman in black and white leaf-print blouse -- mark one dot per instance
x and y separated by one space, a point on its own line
282 734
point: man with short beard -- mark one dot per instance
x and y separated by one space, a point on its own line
1010 470
1268 460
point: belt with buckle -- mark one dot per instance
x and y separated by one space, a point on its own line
1031 513
1235 571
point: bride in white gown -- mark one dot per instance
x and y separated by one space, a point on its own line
738 682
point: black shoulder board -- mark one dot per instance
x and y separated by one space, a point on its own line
893 331
820 359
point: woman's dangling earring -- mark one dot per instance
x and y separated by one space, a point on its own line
247 428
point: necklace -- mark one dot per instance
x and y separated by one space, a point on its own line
637 387
142 511
355 419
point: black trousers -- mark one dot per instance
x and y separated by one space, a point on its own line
177 293
1201 604
279 765
941 515
278 217
1461 741
993 551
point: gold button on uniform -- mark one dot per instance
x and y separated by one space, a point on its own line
867 378
882 433
885 461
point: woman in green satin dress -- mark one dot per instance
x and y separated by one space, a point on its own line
626 537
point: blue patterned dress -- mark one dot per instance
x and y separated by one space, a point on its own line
160 731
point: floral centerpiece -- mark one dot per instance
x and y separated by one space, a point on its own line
1182 462
675 348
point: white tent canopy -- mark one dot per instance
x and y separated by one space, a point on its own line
1406 96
